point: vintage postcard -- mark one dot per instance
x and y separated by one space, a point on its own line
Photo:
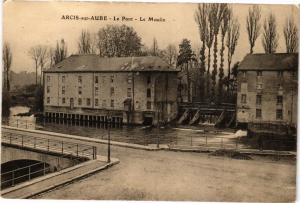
149 101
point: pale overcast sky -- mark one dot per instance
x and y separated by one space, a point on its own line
26 24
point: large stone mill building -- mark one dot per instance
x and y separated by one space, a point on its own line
137 90
268 89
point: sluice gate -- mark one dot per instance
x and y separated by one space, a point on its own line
219 115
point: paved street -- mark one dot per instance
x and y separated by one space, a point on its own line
165 175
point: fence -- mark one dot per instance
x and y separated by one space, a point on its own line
19 123
76 152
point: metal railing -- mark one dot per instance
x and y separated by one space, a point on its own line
50 145
76 152
19 123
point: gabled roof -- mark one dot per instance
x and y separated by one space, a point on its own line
94 63
277 61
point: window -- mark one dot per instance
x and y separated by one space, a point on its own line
96 102
294 75
79 101
79 90
96 79
148 105
112 103
279 114
63 79
280 74
48 89
259 73
104 103
48 78
63 100
258 113
63 90
259 86
48 100
148 93
279 99
112 91
80 79
129 92
88 101
148 79
258 99
280 87
96 91
244 99
129 78
244 74
111 78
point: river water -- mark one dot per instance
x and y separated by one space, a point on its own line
131 134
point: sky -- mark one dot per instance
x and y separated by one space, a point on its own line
26 24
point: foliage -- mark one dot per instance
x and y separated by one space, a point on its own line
85 43
170 55
6 59
60 52
118 41
185 56
290 32
253 25
38 98
6 103
270 36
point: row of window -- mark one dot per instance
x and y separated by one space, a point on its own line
129 79
260 73
279 114
279 99
88 102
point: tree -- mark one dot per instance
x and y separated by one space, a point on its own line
185 56
290 32
217 15
170 55
34 53
116 40
253 25
231 42
224 28
85 43
43 59
209 41
7 60
154 49
60 52
201 16
270 36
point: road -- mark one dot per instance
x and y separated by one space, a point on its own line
166 175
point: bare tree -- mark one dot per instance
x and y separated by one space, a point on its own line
170 54
253 25
209 41
7 60
233 35
201 18
34 53
43 59
217 12
290 32
270 36
224 28
85 44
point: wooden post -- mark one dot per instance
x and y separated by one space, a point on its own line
26 124
34 142
44 168
206 140
13 179
77 150
62 147
29 172
48 145
22 140
17 123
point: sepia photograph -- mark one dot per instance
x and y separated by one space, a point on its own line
149 101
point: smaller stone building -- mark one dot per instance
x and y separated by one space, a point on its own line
137 90
267 89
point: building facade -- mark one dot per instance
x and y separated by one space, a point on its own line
267 89
133 90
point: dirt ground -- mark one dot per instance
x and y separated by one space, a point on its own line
165 175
